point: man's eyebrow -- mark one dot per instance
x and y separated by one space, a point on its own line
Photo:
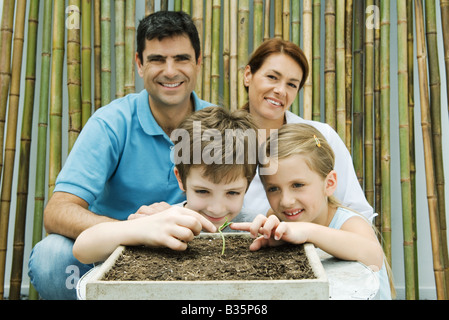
155 56
184 56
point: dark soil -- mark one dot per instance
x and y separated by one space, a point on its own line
203 261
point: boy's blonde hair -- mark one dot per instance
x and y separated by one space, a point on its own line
238 133
306 140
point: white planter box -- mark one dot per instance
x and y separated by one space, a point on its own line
308 289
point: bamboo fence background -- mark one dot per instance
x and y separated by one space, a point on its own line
381 89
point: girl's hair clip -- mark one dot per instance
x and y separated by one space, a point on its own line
318 143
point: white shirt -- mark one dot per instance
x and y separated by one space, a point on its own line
348 191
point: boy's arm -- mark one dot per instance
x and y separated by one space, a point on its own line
171 228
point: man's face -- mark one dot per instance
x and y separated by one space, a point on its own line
169 70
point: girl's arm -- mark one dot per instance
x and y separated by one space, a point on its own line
354 241
171 228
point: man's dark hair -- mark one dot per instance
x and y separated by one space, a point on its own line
163 24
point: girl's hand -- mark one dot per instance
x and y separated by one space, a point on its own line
273 232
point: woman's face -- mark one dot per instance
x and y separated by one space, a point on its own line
273 88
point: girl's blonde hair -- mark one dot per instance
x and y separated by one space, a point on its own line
306 140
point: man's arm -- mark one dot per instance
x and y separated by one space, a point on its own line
67 215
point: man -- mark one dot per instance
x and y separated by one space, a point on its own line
121 159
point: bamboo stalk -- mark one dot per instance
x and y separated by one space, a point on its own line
286 20
308 51
197 17
10 144
316 62
215 68
105 52
411 104
226 54
348 66
119 7
385 125
86 65
257 23
357 135
130 47
242 59
74 74
340 71
186 6
97 53
444 10
296 35
407 221
233 77
435 110
369 109
432 200
5 67
207 51
329 63
377 124
149 7
57 61
164 5
177 6
266 25
24 160
41 153
278 19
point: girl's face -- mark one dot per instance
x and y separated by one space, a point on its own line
296 193
216 202
273 88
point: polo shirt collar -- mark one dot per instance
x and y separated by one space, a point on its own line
146 118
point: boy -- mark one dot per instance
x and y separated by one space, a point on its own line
215 160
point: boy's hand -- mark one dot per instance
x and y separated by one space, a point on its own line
172 228
149 210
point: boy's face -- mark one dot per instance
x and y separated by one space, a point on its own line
214 201
169 70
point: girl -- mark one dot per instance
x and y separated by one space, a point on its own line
303 208
275 73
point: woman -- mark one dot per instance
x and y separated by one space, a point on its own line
275 73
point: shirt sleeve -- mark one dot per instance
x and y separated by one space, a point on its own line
91 161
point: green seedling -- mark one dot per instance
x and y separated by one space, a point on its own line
224 225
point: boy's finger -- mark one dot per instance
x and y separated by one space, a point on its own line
205 223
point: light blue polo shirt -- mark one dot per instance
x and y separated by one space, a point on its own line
121 159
